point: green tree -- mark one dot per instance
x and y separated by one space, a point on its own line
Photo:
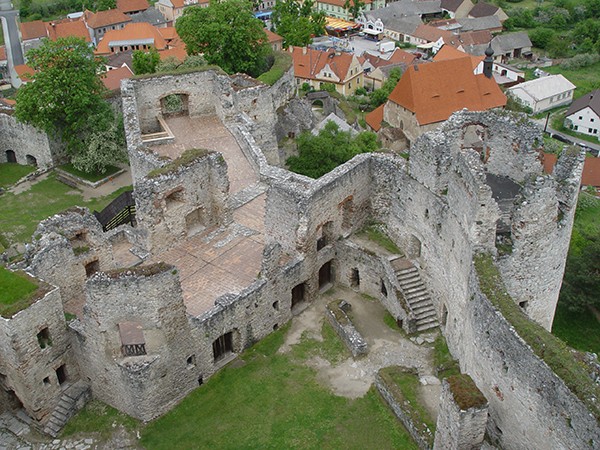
297 23
103 147
145 62
227 34
380 96
354 7
66 91
541 37
318 155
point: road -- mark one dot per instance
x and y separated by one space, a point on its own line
568 138
11 34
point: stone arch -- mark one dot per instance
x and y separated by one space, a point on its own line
11 156
175 104
476 136
31 160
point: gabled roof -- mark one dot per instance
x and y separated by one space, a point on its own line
150 15
591 99
433 95
131 34
432 34
419 7
105 18
451 5
394 19
116 60
33 30
483 9
75 28
448 52
480 23
112 78
273 37
127 6
168 33
178 53
544 87
308 62
508 42
398 56
375 117
482 37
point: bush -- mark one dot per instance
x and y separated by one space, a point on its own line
281 63
541 37
579 61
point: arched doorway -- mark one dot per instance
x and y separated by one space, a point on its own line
31 160
10 156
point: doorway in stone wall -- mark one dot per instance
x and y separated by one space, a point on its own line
31 160
195 222
11 157
61 374
325 276
298 295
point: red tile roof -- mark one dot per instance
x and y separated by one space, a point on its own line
24 72
433 95
63 29
549 160
127 6
478 37
308 62
112 78
375 117
176 52
591 169
33 30
132 32
168 33
105 18
432 34
273 37
397 57
448 52
2 53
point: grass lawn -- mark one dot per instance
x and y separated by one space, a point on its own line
16 289
99 418
10 173
274 401
586 78
93 177
20 214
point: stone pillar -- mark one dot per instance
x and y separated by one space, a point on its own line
463 414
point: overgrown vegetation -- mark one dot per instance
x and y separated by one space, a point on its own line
186 158
376 233
318 155
443 362
283 61
10 173
17 291
97 417
549 348
275 401
465 392
297 22
404 386
93 177
586 78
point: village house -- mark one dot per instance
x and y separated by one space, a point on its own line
482 9
544 93
377 68
506 47
583 115
456 8
317 68
426 96
337 8
173 9
134 36
102 21
132 6
275 41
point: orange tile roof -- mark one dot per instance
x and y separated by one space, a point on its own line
433 95
448 52
397 57
168 33
24 72
33 30
273 37
75 28
591 169
478 37
2 53
127 6
112 78
131 32
375 117
8 101
432 34
105 18
308 65
176 52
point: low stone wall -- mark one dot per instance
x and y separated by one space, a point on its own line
343 326
423 441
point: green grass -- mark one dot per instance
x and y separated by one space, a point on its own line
97 417
21 213
549 348
389 320
375 233
274 401
93 177
404 386
580 330
10 173
17 291
557 122
445 365
585 78
283 61
331 348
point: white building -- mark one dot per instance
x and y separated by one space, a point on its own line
544 93
584 114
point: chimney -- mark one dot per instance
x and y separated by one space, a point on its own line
488 62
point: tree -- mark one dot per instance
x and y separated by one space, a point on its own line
297 23
227 34
354 7
145 62
318 155
65 91
541 37
380 96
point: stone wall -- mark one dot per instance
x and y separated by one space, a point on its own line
184 199
30 145
34 344
149 297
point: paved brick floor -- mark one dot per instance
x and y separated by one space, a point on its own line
208 132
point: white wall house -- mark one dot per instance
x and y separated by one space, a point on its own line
584 114
544 93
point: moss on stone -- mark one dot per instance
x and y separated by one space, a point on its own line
215 69
465 392
283 62
546 346
141 271
18 291
186 159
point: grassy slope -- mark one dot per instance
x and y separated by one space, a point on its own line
10 173
20 214
274 401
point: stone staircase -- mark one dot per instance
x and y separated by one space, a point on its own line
415 293
73 399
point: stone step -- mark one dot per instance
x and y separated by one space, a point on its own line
414 290
412 284
416 301
410 296
428 326
409 270
426 321
425 315
423 307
